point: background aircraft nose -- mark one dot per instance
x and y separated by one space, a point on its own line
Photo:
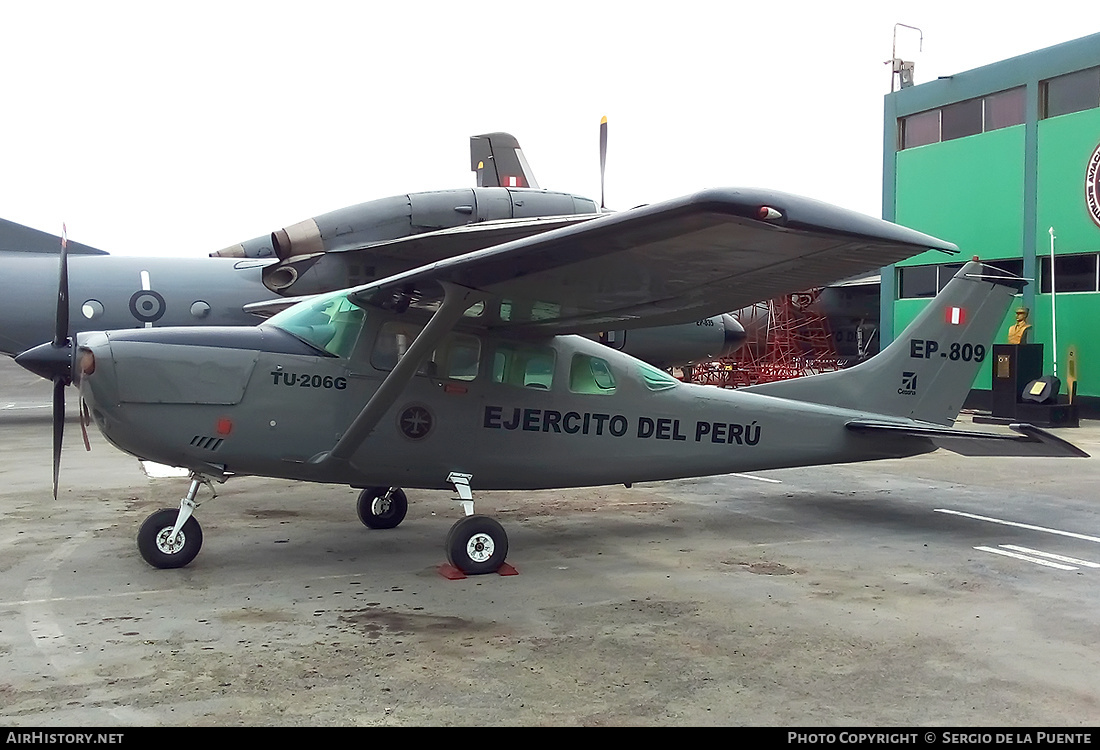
734 334
49 361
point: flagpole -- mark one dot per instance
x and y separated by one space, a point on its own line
1053 307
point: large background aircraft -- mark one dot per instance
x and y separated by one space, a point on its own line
342 248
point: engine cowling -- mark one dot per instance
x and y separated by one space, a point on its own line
404 215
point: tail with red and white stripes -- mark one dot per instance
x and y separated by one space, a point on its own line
928 370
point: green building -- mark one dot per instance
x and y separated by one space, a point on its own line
992 159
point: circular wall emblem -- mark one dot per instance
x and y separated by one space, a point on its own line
1092 186
415 422
147 306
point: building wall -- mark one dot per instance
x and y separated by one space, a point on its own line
996 194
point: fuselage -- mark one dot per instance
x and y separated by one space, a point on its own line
108 292
559 412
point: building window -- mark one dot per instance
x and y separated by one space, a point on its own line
992 112
1004 109
1072 273
918 282
1071 93
920 129
915 282
960 120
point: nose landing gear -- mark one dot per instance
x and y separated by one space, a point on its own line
170 538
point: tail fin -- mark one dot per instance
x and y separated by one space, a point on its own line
927 372
499 162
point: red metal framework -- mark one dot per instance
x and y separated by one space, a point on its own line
786 338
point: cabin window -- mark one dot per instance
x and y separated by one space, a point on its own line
590 375
524 365
330 323
456 358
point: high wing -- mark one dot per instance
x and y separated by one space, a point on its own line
668 263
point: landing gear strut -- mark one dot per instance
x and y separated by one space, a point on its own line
170 538
475 544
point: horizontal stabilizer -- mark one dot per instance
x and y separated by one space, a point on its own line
1031 441
21 239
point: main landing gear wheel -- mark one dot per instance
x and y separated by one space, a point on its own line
154 545
382 507
477 544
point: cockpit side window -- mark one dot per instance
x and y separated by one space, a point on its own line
330 323
456 358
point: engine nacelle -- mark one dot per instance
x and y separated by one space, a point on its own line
404 215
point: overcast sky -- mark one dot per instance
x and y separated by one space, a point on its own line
178 129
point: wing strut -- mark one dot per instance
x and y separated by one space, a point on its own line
456 301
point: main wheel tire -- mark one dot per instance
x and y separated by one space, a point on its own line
153 536
477 544
381 508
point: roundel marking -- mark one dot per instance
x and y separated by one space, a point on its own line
1092 186
415 422
147 306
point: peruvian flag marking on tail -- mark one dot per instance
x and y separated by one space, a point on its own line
956 316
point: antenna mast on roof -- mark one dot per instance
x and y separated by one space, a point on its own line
902 70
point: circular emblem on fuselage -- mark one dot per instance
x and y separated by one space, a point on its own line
415 422
147 306
1092 186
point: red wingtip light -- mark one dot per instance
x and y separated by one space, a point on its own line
767 213
975 258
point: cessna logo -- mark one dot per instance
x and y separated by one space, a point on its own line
415 422
1092 186
908 384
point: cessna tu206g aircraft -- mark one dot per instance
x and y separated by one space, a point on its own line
465 373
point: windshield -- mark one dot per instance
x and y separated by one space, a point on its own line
329 322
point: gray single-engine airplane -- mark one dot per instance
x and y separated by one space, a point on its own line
468 372
340 249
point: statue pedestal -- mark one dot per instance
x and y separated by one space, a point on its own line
1014 366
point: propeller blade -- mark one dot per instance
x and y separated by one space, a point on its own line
61 320
58 427
603 157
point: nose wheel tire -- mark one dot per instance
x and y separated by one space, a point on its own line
477 544
382 507
155 547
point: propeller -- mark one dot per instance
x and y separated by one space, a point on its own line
53 360
603 158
